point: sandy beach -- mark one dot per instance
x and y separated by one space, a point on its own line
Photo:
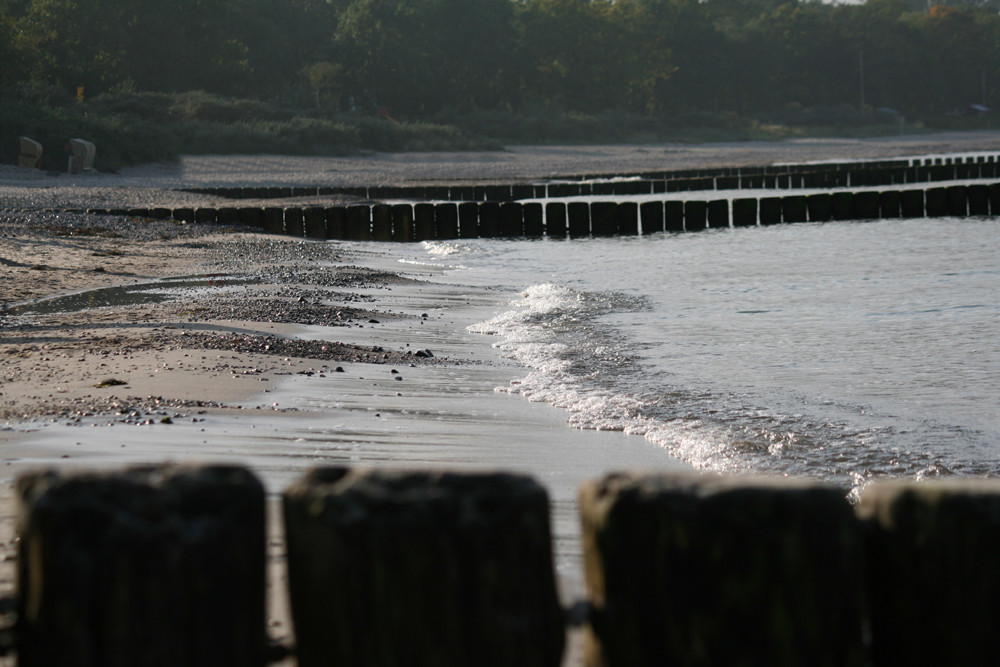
130 340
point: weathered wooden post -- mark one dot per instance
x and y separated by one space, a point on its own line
604 218
744 212
336 222
489 219
718 213
423 222
889 204
794 209
770 210
820 207
511 219
673 215
579 219
446 221
651 217
359 222
402 222
315 222
382 222
206 215
958 200
695 215
155 566
979 200
421 569
534 224
227 215
933 561
690 570
555 220
184 214
468 220
842 206
628 217
294 224
866 205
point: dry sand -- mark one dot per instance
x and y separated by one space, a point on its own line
224 352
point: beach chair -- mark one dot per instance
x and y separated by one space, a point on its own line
31 154
82 158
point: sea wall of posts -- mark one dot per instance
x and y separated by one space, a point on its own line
616 204
165 565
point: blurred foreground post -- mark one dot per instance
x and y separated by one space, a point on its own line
933 571
688 570
421 568
159 566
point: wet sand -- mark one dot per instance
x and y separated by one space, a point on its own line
293 367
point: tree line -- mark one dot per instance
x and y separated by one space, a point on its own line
412 59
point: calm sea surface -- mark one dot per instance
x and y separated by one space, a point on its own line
838 351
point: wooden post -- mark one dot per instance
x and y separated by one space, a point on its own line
718 213
820 207
423 222
446 221
958 200
468 220
695 215
315 221
382 222
579 219
866 205
889 202
651 215
402 223
293 222
274 220
979 200
359 222
432 569
673 215
933 570
794 209
628 217
489 219
842 206
154 566
336 222
511 219
555 220
770 210
744 212
604 218
693 570
534 225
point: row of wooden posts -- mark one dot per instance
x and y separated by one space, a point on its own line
577 219
166 566
827 175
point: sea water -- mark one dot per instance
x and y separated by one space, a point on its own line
842 351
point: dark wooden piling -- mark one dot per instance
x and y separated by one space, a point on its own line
979 200
933 579
744 212
695 215
402 223
315 221
770 210
359 222
820 207
228 215
421 568
183 214
889 204
604 218
468 220
294 223
534 223
843 206
718 213
673 216
936 202
866 205
205 215
911 203
273 220
152 566
651 216
958 200
489 219
698 570
424 228
511 219
794 209
382 222
555 220
579 219
628 218
446 221
250 216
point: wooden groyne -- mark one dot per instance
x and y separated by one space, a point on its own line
165 565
